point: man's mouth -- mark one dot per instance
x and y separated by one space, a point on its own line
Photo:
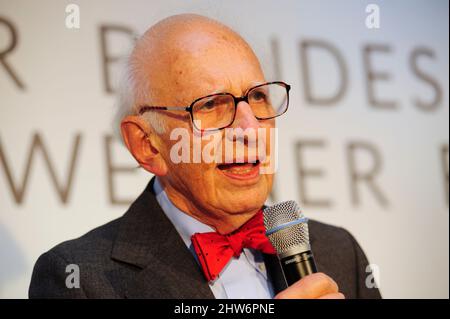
240 170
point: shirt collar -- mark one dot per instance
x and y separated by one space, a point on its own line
185 225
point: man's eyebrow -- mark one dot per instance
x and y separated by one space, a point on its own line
247 88
226 89
217 90
253 84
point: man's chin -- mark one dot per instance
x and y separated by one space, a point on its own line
245 200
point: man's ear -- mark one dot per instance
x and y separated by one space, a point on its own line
140 141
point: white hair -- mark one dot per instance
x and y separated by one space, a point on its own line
128 90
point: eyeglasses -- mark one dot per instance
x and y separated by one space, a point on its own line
218 111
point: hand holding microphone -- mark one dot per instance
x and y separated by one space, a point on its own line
287 230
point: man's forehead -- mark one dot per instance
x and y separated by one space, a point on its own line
188 23
207 83
183 45
193 56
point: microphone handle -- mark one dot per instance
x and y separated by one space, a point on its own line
297 266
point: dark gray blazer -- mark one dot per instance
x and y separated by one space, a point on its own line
141 255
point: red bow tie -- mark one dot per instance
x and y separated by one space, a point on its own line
214 250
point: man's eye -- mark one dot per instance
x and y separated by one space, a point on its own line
208 105
259 96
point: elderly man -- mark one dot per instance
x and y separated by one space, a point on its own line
191 73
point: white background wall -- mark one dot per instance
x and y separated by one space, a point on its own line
64 96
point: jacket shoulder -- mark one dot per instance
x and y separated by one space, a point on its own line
322 231
93 245
89 254
331 244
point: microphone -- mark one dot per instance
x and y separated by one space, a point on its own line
287 229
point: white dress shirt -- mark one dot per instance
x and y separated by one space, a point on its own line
242 278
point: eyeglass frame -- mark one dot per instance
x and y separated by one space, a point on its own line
237 100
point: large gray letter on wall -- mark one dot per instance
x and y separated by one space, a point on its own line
305 47
37 144
444 159
436 101
107 57
372 76
368 177
4 52
303 173
112 170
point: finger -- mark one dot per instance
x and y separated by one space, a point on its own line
309 287
333 296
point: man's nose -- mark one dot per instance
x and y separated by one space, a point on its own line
247 124
244 118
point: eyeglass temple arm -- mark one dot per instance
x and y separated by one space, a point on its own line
146 108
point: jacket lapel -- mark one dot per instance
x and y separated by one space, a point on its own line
148 240
275 273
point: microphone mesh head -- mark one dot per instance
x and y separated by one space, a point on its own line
295 236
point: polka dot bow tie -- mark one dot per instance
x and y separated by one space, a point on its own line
214 250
